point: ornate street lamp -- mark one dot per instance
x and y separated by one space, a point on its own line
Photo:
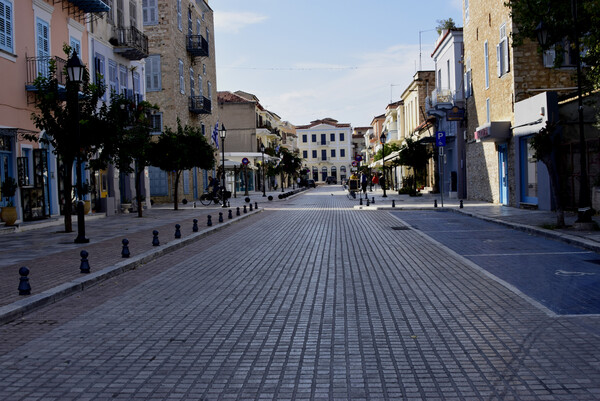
223 134
75 70
382 140
262 150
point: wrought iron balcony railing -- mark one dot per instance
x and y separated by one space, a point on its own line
197 46
200 105
37 66
130 43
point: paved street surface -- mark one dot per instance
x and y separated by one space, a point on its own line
310 299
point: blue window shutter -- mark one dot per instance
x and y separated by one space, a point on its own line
6 26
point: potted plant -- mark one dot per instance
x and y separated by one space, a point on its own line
9 212
125 205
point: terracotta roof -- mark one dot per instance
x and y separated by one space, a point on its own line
328 121
228 97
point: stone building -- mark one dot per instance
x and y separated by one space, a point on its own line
496 76
181 79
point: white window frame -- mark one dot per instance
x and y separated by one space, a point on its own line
179 18
486 61
153 73
7 33
488 112
150 12
503 63
181 78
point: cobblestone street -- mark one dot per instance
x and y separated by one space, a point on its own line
309 300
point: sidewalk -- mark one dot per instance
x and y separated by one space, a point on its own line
53 259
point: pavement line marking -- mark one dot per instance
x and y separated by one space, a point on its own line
528 253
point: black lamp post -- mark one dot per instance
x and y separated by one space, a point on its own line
281 167
262 150
584 207
223 134
75 70
382 140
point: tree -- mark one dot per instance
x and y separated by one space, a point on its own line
445 24
131 148
414 155
290 163
181 150
546 145
59 116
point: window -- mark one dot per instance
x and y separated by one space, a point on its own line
200 90
342 137
324 154
323 139
122 79
198 26
75 45
466 11
342 152
305 154
314 154
562 50
136 86
43 46
487 110
332 137
156 120
181 83
502 52
468 84
153 73
487 64
209 87
332 152
113 82
304 138
99 70
150 12
179 23
132 14
192 83
314 137
109 15
190 23
120 14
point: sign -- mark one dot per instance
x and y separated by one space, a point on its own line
482 133
358 158
455 114
245 161
440 138
354 163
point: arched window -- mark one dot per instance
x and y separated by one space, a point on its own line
334 171
323 173
315 174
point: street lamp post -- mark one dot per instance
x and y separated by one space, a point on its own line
223 134
75 70
262 150
281 166
382 140
584 207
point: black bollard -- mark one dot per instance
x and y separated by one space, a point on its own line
368 203
245 210
360 201
209 220
373 201
270 198
220 217
393 203
251 207
155 241
228 204
256 205
435 203
85 264
237 213
125 252
24 286
461 204
230 214
195 226
177 231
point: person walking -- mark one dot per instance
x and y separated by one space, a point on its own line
375 180
364 182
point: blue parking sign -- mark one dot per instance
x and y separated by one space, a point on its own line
440 138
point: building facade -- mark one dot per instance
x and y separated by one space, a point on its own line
326 147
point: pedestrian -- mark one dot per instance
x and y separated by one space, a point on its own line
382 182
364 182
374 181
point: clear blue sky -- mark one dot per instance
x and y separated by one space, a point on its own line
312 59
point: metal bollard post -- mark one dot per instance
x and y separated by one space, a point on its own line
155 241
360 201
435 203
368 203
245 210
209 220
461 204
256 205
229 214
251 207
373 200
24 286
125 252
177 231
84 267
220 217
237 213
393 203
195 226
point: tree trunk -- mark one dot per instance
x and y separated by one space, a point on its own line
176 190
67 193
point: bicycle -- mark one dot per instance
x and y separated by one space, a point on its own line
209 197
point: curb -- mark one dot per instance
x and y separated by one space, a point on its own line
23 306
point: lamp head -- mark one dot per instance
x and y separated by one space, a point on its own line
75 68
222 131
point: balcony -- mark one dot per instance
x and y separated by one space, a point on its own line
200 105
91 6
442 99
197 46
130 43
37 66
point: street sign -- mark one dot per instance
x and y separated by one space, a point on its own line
358 158
245 161
440 138
354 163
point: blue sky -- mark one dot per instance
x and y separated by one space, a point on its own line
312 59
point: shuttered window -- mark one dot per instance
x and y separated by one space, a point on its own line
6 26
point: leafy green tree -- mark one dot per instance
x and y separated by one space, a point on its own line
415 155
74 124
179 150
445 24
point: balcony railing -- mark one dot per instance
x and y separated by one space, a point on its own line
442 97
130 43
200 105
37 66
197 46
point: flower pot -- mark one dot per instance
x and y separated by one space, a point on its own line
9 215
125 207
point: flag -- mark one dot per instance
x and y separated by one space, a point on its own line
215 136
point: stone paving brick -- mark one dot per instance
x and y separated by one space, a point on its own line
312 301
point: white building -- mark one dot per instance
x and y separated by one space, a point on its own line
326 149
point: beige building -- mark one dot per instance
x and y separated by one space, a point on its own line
181 79
497 75
326 147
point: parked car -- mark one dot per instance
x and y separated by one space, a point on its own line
331 180
311 183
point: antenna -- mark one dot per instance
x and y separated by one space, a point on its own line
420 32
